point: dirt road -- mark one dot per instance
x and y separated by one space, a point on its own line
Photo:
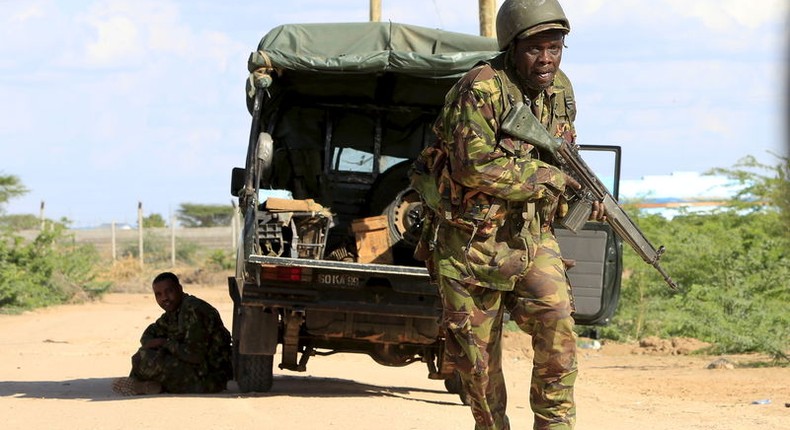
57 364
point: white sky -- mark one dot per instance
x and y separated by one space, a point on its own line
104 103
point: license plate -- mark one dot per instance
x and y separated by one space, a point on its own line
337 280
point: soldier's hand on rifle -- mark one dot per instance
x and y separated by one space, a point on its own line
598 212
571 182
562 202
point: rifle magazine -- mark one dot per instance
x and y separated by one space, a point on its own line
577 215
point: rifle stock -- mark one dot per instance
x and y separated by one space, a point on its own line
521 123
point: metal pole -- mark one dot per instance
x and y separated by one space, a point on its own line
114 253
140 232
41 216
172 240
487 14
375 10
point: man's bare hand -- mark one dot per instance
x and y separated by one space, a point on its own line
598 212
571 182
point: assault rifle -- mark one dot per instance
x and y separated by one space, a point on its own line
521 123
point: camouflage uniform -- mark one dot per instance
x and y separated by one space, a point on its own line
197 355
494 247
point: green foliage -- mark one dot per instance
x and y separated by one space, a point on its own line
197 215
48 270
20 222
158 249
733 269
186 250
759 189
10 187
154 221
222 260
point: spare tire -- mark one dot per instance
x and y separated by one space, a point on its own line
405 218
392 196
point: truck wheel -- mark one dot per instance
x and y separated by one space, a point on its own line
405 217
254 373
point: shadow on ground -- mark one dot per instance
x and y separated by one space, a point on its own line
100 389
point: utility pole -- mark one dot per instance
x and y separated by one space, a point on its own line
112 236
140 233
172 240
375 10
487 14
41 216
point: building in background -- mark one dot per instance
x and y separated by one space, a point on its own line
679 192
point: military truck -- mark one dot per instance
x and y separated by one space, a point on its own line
325 265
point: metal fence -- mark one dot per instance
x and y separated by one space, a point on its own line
115 243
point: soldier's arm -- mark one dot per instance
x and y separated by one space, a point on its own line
479 161
193 347
154 335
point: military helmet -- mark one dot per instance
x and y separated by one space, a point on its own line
528 17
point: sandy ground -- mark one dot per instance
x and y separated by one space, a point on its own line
57 365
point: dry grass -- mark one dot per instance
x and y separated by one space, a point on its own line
126 275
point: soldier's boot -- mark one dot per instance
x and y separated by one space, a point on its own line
130 386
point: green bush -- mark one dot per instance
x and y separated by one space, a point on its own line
222 260
20 222
48 270
157 249
734 278
731 265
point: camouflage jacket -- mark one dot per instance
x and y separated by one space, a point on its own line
195 334
486 235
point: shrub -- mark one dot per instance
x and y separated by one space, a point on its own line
157 249
48 270
734 280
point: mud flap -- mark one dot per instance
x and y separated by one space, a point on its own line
258 331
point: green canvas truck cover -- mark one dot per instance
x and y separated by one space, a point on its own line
371 47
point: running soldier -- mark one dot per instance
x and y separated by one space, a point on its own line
490 241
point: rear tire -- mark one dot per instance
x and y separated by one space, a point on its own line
254 373
405 218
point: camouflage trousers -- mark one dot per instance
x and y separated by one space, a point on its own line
541 304
176 376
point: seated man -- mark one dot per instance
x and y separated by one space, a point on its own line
187 350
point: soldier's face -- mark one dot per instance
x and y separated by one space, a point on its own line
538 58
168 294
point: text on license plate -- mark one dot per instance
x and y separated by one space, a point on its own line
338 280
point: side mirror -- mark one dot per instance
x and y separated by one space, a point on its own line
237 180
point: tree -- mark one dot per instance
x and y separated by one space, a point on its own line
20 221
10 187
200 215
153 221
758 189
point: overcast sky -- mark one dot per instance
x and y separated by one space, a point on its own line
104 103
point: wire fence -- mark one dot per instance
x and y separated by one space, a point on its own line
162 243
